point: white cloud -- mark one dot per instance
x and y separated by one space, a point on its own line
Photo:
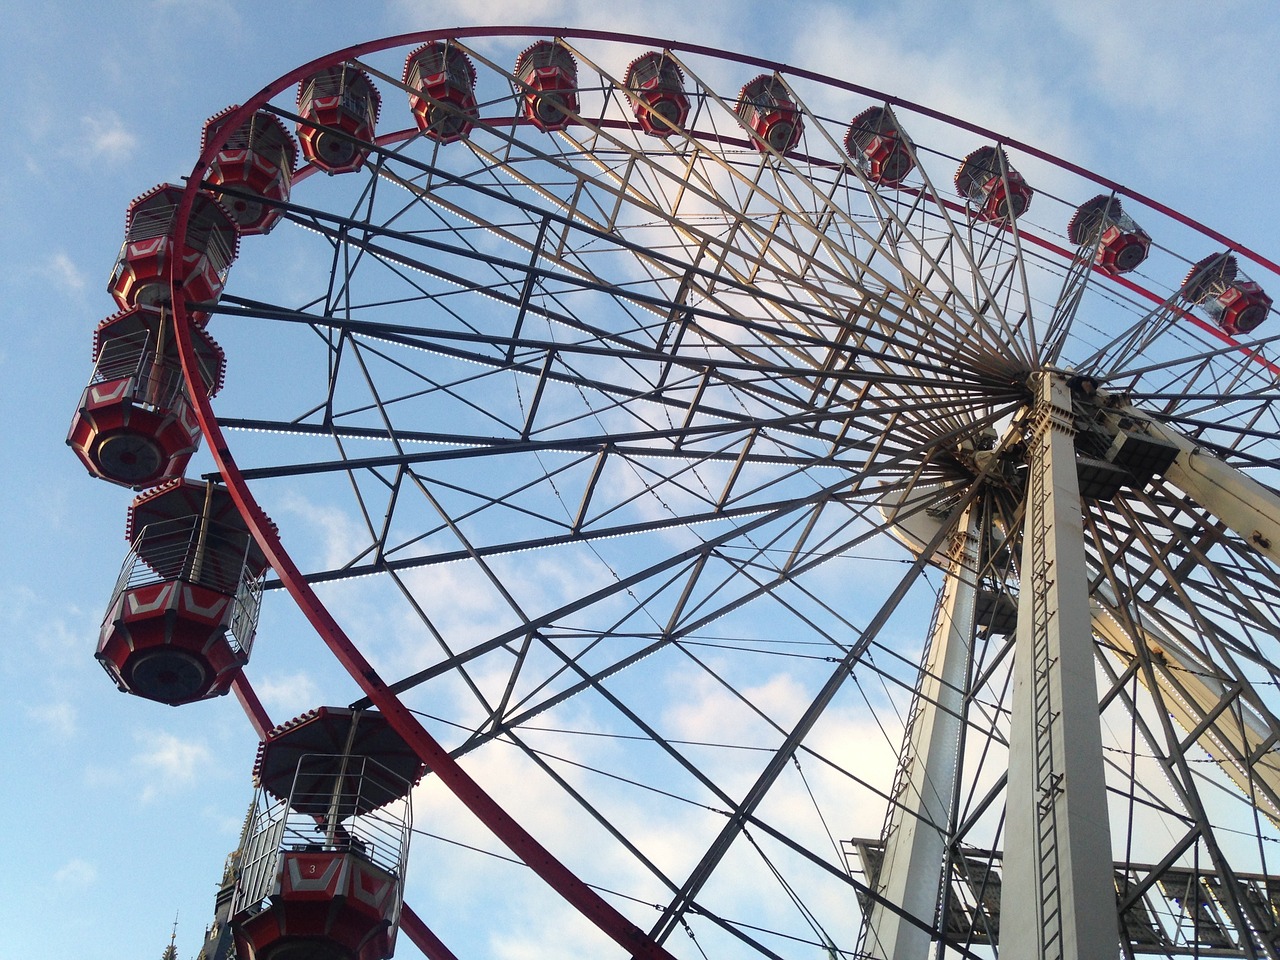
287 695
105 138
59 719
341 533
940 74
219 15
167 762
529 938
417 12
56 632
671 833
699 707
64 273
76 874
708 23
1163 62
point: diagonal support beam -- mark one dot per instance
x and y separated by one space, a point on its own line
1251 510
684 900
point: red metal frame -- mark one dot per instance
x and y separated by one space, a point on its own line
443 766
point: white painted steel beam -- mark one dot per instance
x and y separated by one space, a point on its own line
1239 738
916 833
1247 507
1059 898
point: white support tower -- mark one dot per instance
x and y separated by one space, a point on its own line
1059 888
917 831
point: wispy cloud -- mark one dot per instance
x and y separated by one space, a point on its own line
55 630
1176 54
76 874
460 11
663 18
167 762
105 138
287 694
58 718
342 534
64 273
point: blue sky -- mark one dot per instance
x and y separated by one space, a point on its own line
121 811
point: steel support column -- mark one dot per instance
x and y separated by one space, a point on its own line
917 829
1059 898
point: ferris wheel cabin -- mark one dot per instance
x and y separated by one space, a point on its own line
766 109
996 192
151 255
322 866
880 148
442 84
549 75
1233 301
181 621
135 426
344 100
655 87
1121 245
253 171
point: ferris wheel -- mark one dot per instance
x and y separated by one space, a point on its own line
791 521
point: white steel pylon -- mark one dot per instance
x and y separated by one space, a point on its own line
918 828
1059 888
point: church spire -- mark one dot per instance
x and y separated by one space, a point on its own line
171 951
